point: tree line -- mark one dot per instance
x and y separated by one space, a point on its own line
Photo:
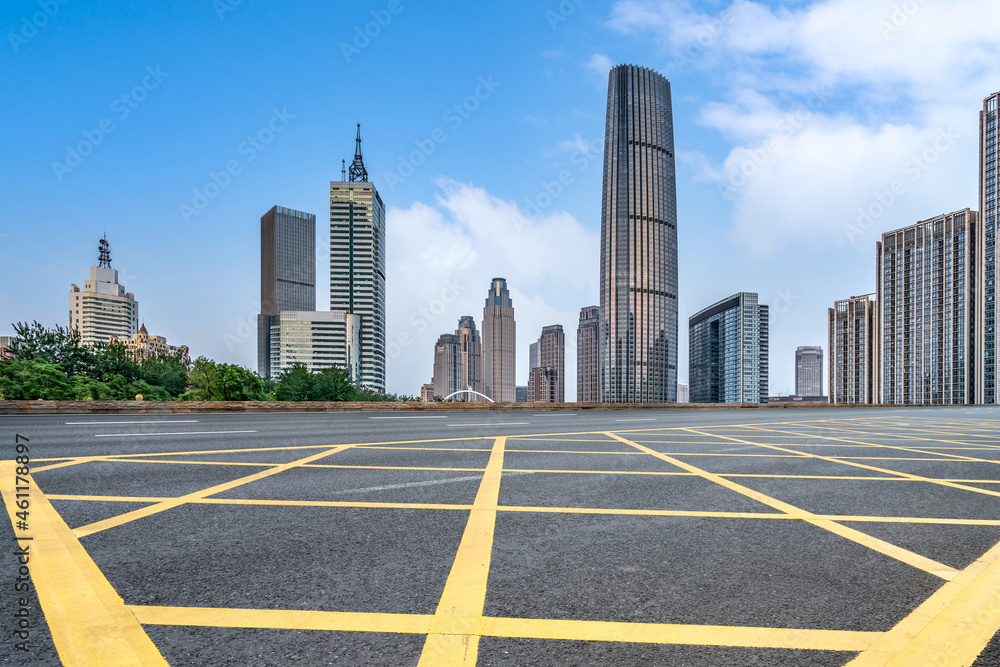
54 364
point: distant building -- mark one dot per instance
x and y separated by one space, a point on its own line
815 400
682 394
925 276
521 394
853 352
5 352
809 371
357 268
103 309
143 346
552 354
588 356
543 385
533 359
729 351
638 312
499 344
470 372
447 366
314 339
427 392
985 353
287 273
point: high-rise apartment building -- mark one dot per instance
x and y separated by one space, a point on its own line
925 276
447 366
543 385
471 357
287 273
102 309
499 344
729 351
588 356
809 371
638 319
357 267
853 340
986 305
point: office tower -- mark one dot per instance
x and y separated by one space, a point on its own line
552 354
639 242
313 339
499 344
427 392
588 356
447 366
986 307
853 340
809 371
925 275
533 356
470 344
521 394
143 346
682 393
357 268
287 273
729 351
103 309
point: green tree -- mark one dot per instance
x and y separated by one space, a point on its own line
210 381
88 389
333 384
166 371
114 359
295 384
59 346
32 379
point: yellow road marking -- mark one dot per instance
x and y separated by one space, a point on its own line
465 589
89 622
950 628
881 546
144 512
646 633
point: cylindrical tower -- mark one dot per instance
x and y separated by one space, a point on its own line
638 317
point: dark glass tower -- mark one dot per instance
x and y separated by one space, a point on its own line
639 242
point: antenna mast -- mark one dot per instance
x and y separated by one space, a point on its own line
358 172
104 253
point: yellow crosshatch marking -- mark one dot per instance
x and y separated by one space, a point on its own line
91 624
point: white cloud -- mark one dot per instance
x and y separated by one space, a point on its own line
442 257
599 64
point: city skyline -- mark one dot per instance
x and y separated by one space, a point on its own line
919 130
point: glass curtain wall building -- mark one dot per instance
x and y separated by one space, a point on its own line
357 268
638 321
809 371
729 351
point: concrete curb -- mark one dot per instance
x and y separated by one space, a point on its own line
267 407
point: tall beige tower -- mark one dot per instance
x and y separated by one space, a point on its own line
499 344
103 309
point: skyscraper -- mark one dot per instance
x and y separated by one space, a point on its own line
471 357
809 371
925 275
638 321
588 356
357 268
499 344
103 309
729 351
447 366
552 354
986 307
287 273
853 351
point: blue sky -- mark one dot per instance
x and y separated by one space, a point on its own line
789 119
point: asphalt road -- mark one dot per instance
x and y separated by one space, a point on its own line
743 537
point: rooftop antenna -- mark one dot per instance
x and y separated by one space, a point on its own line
358 172
104 253
343 170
